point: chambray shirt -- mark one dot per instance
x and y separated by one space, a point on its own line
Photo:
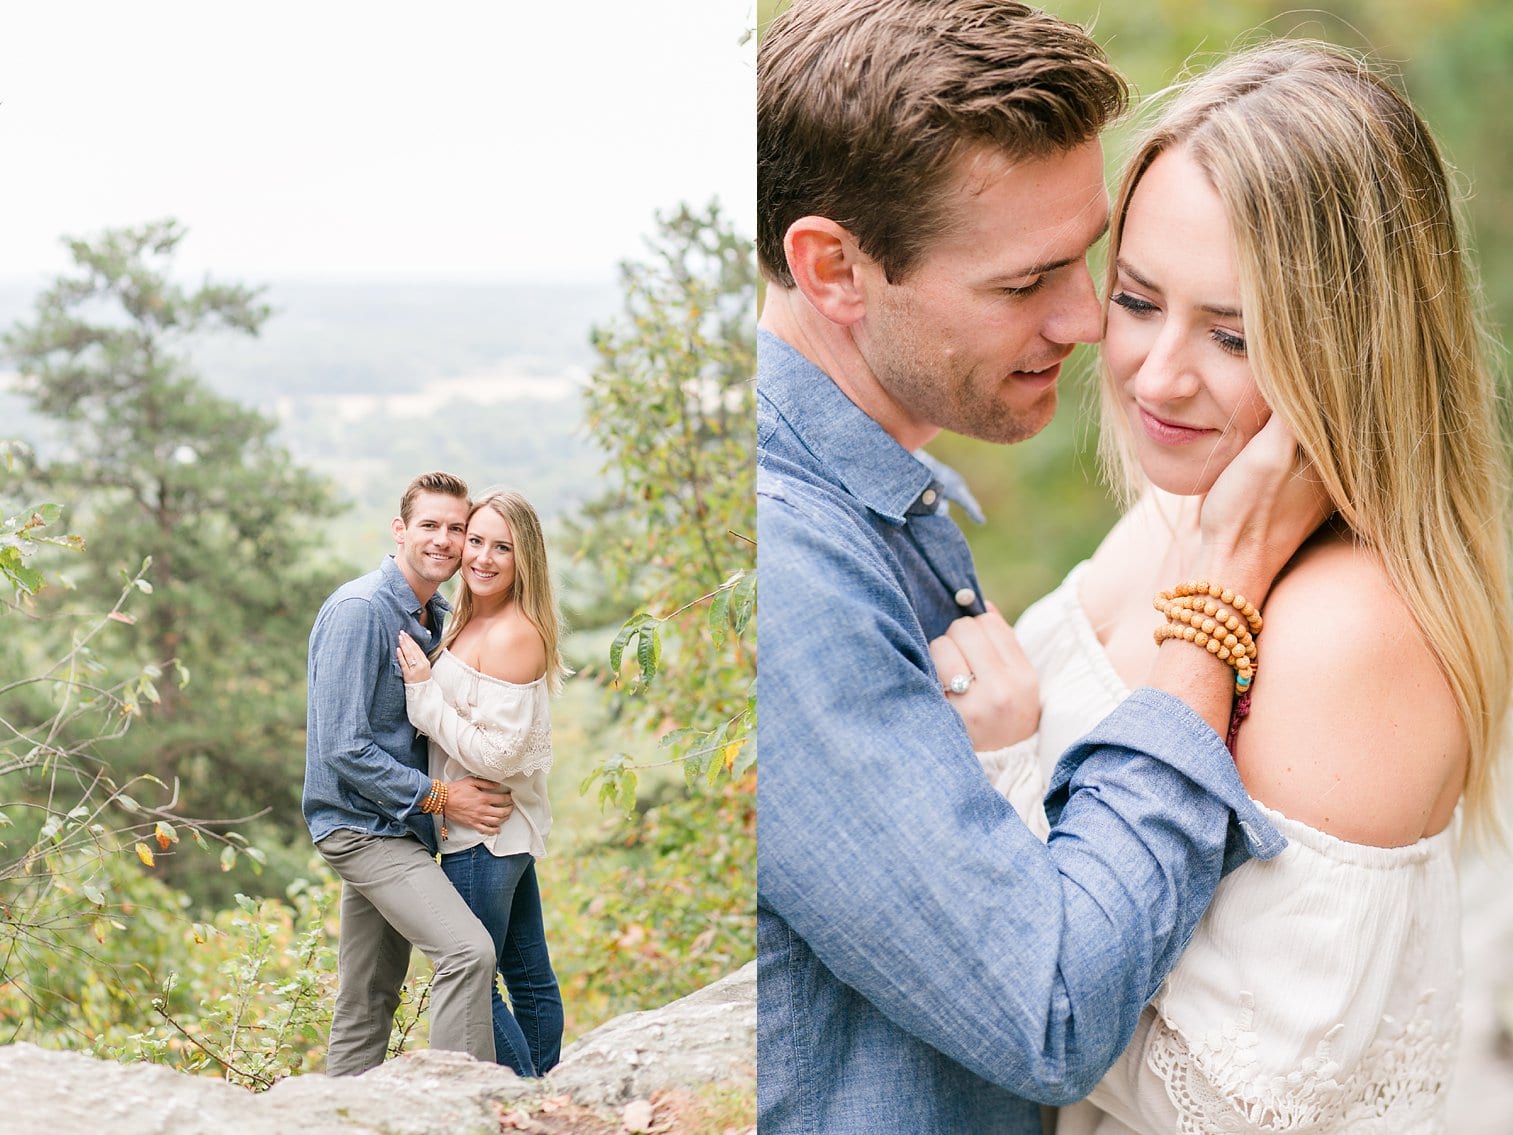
925 965
365 767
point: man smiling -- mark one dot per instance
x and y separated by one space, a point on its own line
369 800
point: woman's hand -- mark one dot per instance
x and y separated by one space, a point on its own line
1001 703
413 663
1260 510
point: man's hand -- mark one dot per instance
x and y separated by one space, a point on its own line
1001 704
480 804
1259 512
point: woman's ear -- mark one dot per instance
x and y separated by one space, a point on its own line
827 268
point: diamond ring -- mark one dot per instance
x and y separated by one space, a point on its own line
961 683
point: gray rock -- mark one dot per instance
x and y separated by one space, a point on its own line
706 1038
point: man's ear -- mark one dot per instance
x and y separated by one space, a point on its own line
398 528
827 268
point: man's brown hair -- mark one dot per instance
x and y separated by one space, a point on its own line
443 483
865 108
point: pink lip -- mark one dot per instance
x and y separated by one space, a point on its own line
1040 380
1168 433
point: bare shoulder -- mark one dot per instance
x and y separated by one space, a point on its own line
512 650
1353 728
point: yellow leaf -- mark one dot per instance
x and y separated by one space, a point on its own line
144 853
730 751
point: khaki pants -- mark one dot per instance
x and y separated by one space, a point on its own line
395 895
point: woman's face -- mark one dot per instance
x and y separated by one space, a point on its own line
488 554
1175 341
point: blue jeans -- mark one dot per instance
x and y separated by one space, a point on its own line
501 890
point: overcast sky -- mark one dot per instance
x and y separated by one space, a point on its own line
337 138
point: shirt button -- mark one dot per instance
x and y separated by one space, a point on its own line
966 597
929 496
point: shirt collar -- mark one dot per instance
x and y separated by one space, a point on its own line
849 445
400 586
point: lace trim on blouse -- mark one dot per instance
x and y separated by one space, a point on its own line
1397 1086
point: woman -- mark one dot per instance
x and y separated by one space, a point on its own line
483 703
1284 241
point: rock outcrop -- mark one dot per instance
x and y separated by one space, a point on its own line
706 1039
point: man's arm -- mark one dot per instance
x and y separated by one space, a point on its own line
349 652
881 844
883 847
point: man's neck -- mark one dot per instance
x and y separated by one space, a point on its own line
423 588
832 348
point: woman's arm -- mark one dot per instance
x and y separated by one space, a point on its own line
496 747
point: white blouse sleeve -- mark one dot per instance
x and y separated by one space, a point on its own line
1319 994
501 739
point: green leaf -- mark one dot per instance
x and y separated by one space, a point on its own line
627 791
674 737
744 602
719 615
228 861
27 579
93 894
649 653
630 629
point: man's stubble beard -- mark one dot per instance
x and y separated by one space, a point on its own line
958 403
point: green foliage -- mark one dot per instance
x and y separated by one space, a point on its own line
665 903
672 402
74 837
165 471
20 536
660 908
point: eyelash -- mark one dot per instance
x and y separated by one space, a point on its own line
1226 341
1028 289
475 542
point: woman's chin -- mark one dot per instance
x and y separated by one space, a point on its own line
1180 483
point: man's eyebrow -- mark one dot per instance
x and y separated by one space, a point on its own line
1051 265
1220 310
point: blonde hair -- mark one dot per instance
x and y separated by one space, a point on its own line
532 591
1363 332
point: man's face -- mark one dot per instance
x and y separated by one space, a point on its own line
430 546
972 338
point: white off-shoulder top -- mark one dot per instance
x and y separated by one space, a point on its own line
488 727
1320 993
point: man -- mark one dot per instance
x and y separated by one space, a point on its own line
930 183
370 802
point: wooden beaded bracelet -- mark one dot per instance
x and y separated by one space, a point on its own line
1196 587
1213 619
1200 613
435 803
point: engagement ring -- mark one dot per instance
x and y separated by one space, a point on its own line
961 683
